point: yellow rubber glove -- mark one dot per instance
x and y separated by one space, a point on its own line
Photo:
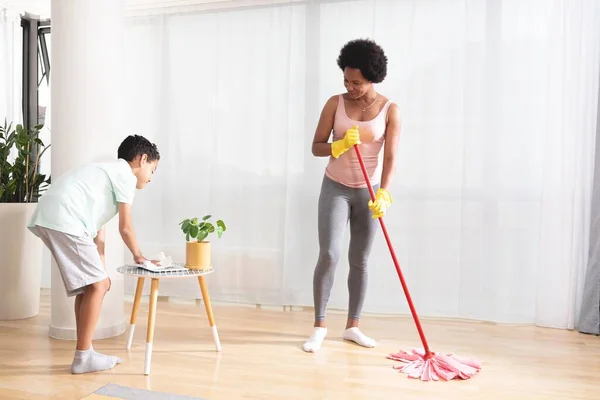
383 200
341 146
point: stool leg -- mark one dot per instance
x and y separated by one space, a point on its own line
209 312
136 306
151 321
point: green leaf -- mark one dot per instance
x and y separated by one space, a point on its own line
206 217
207 226
221 225
187 237
186 226
19 179
194 221
202 235
219 232
194 231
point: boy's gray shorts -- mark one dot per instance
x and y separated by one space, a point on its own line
77 258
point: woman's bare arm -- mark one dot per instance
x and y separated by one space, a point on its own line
320 145
392 138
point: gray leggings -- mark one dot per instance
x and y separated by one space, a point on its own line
339 204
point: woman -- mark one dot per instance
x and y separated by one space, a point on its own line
363 117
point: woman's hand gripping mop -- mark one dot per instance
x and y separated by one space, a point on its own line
422 363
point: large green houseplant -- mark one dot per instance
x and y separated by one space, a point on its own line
21 151
198 249
21 253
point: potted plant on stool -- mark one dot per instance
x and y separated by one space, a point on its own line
198 249
21 253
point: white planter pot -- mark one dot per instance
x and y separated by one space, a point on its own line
21 258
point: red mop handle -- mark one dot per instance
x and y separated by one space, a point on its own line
396 263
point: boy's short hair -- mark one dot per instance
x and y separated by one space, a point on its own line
136 145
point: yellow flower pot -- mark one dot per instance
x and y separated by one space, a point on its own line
197 255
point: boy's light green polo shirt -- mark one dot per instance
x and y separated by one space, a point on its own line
84 199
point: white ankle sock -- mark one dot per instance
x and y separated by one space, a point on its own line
315 340
119 360
355 335
88 360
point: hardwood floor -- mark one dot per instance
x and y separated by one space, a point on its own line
262 358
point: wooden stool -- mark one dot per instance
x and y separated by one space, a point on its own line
141 274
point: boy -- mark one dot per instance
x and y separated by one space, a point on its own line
70 219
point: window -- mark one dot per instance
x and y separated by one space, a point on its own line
36 69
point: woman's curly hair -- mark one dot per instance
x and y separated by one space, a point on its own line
365 55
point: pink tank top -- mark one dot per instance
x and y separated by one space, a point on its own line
346 169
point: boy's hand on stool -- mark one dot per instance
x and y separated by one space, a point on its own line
139 259
142 260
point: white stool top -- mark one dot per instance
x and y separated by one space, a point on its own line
134 270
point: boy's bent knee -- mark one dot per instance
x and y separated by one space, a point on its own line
101 286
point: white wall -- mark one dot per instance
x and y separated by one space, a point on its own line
142 7
37 7
151 7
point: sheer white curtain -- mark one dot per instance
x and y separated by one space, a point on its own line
10 66
492 191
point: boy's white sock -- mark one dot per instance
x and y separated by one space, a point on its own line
86 361
315 340
119 360
355 335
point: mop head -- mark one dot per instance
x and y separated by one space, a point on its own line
435 366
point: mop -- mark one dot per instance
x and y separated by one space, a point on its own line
422 363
